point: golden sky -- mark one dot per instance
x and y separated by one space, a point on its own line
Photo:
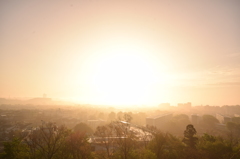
121 51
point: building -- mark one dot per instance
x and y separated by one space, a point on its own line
164 105
185 105
223 119
158 121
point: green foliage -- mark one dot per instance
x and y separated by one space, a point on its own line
76 146
15 150
209 118
127 143
83 128
165 145
49 142
126 140
46 141
147 154
177 124
236 120
189 138
105 133
214 147
111 116
234 127
208 138
142 154
209 121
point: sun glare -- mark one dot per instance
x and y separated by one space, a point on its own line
124 75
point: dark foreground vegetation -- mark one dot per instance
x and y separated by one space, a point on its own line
120 140
92 132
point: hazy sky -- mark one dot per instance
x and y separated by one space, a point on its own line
121 51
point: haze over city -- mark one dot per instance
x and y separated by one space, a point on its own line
121 52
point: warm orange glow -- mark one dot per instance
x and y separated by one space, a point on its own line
121 52
122 73
123 77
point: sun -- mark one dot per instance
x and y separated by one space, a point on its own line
123 75
118 71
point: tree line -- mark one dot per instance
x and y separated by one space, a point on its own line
121 140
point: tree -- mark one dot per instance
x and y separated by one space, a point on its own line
177 124
106 134
126 137
215 147
49 142
15 150
189 138
46 141
147 154
209 121
84 128
146 135
120 115
101 115
236 120
158 143
77 146
165 145
117 138
234 132
139 118
111 116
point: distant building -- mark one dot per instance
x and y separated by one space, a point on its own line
185 105
40 101
158 121
223 119
164 105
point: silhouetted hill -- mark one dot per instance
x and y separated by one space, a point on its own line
39 101
33 101
10 101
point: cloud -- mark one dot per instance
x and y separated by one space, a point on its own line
224 84
217 76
